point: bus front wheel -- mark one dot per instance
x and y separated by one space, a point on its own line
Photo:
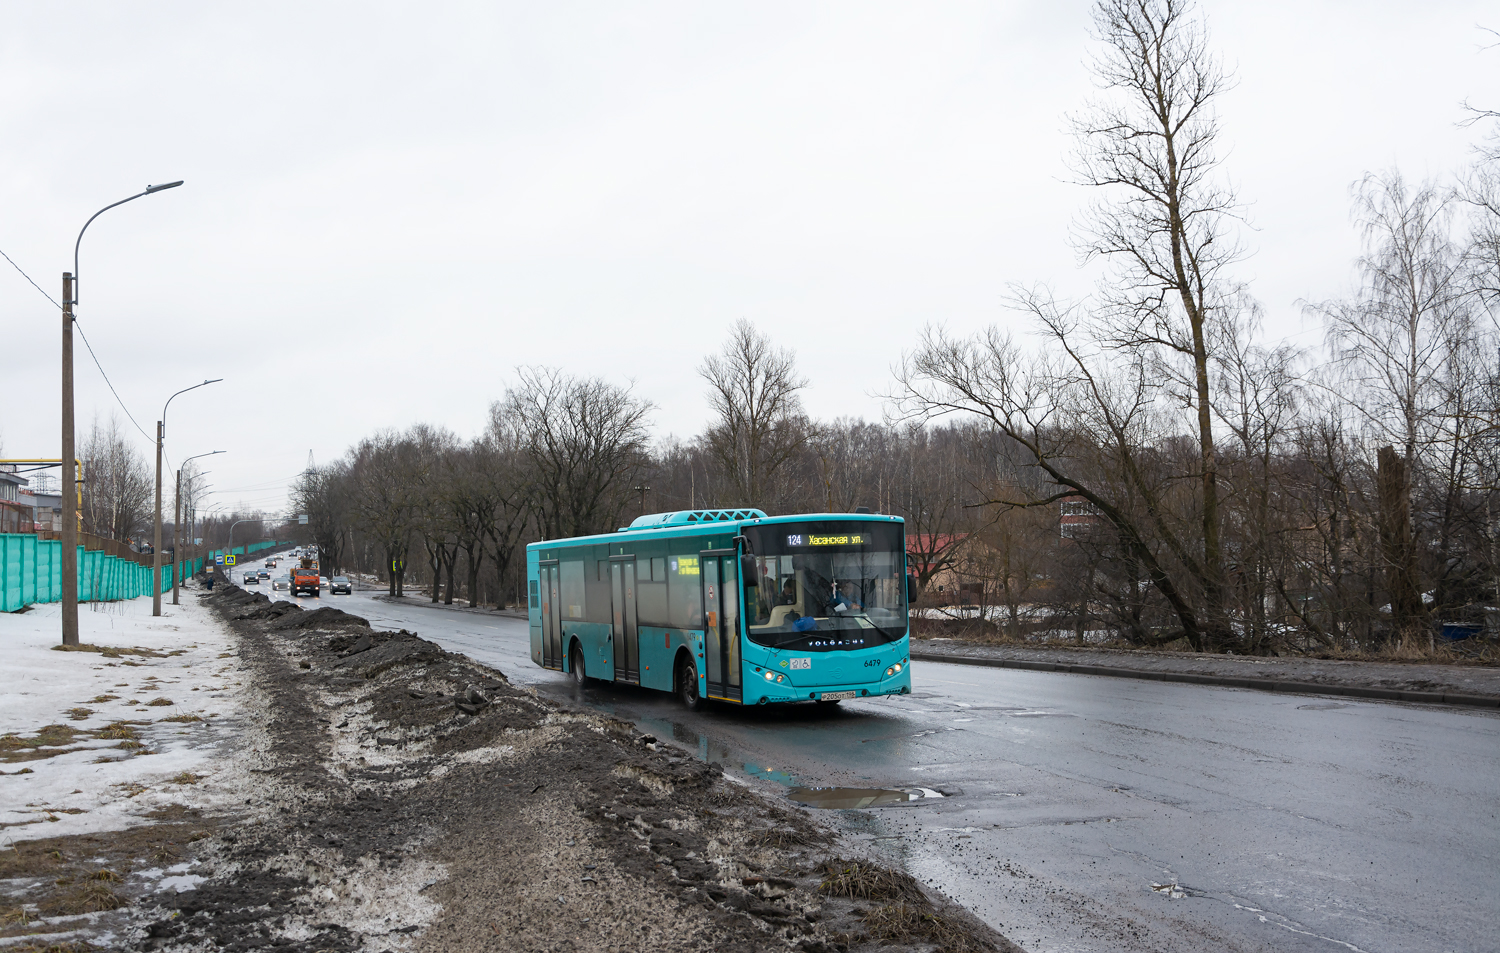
687 685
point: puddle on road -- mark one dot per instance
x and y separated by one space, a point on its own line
845 799
1322 706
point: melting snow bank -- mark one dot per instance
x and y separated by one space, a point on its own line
138 722
395 795
117 760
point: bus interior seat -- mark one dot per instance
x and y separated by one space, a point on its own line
779 615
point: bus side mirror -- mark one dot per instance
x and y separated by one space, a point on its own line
911 589
747 570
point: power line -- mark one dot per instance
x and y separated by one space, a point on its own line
112 390
33 284
86 344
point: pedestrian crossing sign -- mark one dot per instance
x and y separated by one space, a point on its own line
229 560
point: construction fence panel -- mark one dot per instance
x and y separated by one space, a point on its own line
31 572
10 572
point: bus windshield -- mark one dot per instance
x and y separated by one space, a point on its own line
827 584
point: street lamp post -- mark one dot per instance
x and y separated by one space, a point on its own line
177 539
161 432
69 468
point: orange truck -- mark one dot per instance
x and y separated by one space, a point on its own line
305 578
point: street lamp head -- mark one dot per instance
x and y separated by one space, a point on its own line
158 188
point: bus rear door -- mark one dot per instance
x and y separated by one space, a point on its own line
622 620
551 619
721 624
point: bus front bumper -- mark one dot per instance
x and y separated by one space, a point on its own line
761 692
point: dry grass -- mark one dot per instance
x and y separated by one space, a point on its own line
908 923
781 838
108 651
79 714
858 880
183 718
160 702
106 876
15 915
187 777
74 946
92 897
26 860
101 699
122 730
14 747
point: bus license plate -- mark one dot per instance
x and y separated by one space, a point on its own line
832 696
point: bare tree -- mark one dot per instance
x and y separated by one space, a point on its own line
1164 224
1393 340
584 440
434 519
1258 400
759 426
383 474
117 483
325 496
503 503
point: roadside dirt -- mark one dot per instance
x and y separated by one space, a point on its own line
404 798
1474 679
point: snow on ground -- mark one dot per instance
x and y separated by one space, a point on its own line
94 741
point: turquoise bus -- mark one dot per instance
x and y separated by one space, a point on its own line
730 605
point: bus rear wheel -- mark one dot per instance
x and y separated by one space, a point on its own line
575 663
687 685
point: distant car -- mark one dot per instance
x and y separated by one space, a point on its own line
252 579
340 584
322 582
265 574
281 582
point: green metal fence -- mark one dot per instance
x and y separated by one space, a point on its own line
31 572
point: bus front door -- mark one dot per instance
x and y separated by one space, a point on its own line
721 625
551 619
622 621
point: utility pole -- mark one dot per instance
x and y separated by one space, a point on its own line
177 537
161 433
69 476
156 542
69 467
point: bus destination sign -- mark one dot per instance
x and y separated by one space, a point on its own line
845 539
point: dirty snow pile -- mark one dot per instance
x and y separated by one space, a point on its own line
141 718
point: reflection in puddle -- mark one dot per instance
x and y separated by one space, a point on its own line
770 774
843 799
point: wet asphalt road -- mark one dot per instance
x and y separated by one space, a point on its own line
1267 822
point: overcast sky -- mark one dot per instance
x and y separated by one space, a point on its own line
390 206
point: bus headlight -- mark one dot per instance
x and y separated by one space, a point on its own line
893 670
770 676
